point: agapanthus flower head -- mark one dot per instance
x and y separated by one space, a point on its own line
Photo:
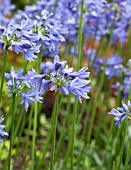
20 37
51 31
3 134
121 113
62 78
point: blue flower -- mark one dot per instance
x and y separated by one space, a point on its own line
3 134
20 37
27 48
114 66
24 24
50 30
65 80
124 87
30 97
56 65
79 88
13 77
60 78
121 113
44 86
81 74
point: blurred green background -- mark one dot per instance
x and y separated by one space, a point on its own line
21 3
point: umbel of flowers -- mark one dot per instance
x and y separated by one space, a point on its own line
122 113
32 86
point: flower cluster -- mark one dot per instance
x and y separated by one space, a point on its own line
3 134
49 29
20 38
24 35
32 86
121 113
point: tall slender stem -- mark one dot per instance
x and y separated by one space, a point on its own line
122 146
37 66
127 157
12 130
54 125
80 37
25 67
80 43
73 134
34 133
47 143
3 73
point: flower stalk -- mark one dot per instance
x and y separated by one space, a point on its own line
3 73
12 130
54 125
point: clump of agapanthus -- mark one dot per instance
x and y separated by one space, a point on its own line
114 66
122 113
3 134
104 18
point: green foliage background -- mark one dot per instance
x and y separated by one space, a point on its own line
21 3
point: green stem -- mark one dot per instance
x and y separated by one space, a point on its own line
54 125
34 134
80 37
25 67
95 107
36 109
86 120
122 146
21 129
3 74
12 130
127 157
27 136
47 142
62 132
73 134
80 46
